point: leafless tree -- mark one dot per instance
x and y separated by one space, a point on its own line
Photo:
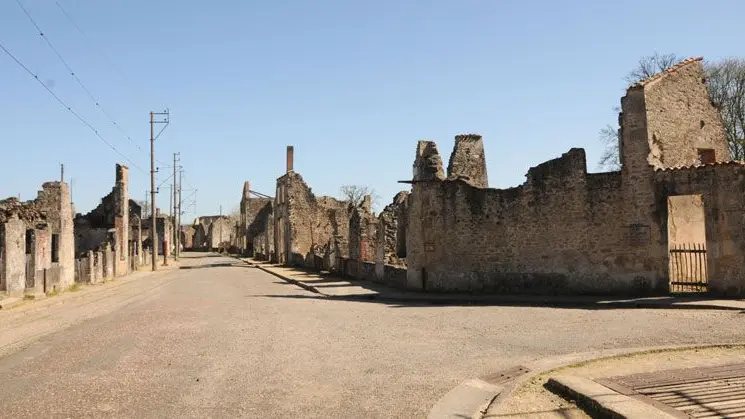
726 84
610 159
652 64
647 66
356 194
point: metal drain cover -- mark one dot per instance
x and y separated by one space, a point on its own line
710 392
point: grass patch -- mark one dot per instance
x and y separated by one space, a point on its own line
52 293
74 287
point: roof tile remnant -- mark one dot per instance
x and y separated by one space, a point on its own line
661 74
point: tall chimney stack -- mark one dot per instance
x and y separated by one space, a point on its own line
290 153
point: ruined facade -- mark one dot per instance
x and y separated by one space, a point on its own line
114 225
36 242
255 224
562 231
164 226
187 236
390 245
308 230
568 231
221 233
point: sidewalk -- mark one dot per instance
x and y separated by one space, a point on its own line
329 286
16 304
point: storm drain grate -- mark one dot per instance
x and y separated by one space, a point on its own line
711 392
504 376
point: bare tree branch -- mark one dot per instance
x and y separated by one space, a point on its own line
652 64
610 159
726 85
356 195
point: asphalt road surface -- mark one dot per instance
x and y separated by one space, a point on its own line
218 338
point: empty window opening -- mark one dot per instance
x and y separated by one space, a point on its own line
29 242
55 248
706 156
686 237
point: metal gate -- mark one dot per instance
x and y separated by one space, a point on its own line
688 269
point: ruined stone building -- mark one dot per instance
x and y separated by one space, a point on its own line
255 235
114 228
308 230
221 233
671 220
36 242
187 236
164 226
568 231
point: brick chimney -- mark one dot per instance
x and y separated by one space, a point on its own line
290 157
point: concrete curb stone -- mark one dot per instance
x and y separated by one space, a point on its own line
600 401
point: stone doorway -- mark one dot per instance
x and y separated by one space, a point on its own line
686 240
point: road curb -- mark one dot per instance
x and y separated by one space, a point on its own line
283 277
548 365
600 401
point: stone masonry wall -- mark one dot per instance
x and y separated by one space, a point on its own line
121 221
390 245
720 187
305 223
553 234
14 257
681 118
468 162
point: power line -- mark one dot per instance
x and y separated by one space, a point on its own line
68 107
100 51
72 73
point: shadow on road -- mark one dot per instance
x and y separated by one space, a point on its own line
217 265
394 302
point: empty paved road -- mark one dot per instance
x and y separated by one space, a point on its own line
223 339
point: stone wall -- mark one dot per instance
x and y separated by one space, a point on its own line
307 227
390 244
14 256
121 220
468 162
221 231
187 236
54 201
553 234
567 231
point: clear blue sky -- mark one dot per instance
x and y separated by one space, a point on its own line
351 84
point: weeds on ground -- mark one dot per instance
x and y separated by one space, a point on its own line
74 287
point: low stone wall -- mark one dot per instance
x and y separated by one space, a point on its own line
394 276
